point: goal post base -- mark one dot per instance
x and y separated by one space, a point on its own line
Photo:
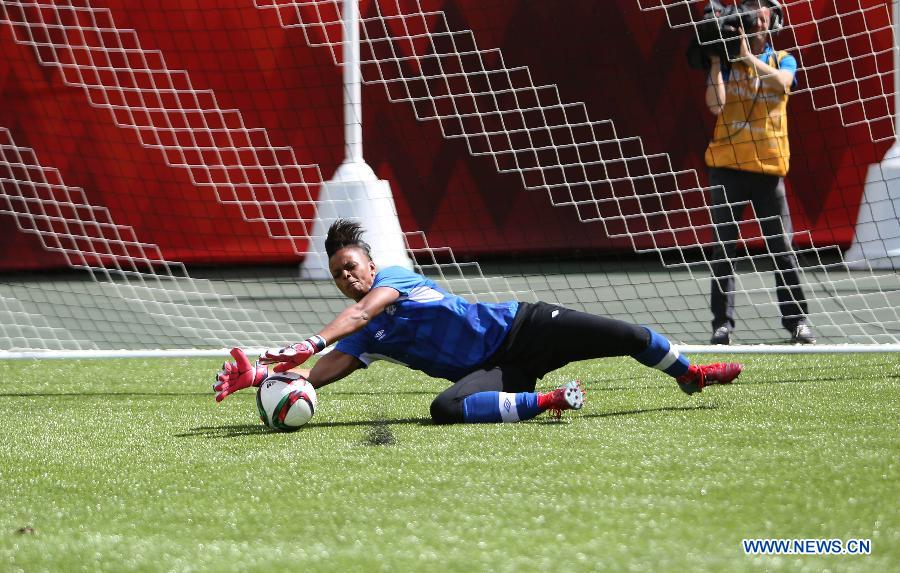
876 242
355 193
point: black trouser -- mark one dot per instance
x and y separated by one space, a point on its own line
766 194
543 337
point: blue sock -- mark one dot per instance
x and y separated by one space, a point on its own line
660 354
487 407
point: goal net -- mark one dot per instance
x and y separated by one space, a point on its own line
161 166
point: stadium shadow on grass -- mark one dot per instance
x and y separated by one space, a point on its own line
805 380
550 420
651 410
237 430
591 387
379 428
229 431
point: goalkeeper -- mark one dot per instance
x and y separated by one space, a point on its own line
493 353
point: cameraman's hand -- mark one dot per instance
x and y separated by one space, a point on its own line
745 53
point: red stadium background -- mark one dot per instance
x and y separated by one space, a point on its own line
626 64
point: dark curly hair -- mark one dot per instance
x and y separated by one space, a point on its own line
345 233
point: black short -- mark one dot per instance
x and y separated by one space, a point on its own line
542 338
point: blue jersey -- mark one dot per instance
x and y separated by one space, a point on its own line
770 56
429 329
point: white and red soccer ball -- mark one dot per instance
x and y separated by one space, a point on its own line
286 401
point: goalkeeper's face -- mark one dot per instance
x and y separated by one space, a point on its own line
353 272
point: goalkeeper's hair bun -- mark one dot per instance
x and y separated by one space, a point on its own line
345 233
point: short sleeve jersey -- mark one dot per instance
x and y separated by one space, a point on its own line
430 329
769 55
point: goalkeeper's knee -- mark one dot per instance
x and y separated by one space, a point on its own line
446 410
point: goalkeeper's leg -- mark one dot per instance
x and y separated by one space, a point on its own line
551 336
501 395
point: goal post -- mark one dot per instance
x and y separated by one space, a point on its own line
354 192
161 167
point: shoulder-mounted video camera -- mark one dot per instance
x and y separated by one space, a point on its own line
719 31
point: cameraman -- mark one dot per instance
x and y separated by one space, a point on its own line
748 158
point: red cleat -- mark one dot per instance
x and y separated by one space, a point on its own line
568 397
699 376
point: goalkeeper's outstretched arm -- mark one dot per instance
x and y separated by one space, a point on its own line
331 368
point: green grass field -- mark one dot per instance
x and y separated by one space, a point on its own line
130 465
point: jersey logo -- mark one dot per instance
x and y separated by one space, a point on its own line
379 335
554 314
390 309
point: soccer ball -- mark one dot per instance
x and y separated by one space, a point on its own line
286 401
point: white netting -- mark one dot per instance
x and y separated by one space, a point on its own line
554 146
567 150
172 304
842 68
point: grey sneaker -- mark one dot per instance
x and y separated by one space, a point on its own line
721 335
803 334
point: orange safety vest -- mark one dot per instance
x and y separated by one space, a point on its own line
752 131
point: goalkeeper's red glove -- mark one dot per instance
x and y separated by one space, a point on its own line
238 375
294 355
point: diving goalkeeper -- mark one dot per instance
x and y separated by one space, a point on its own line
493 353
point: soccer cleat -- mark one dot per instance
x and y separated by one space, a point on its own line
721 372
721 335
699 376
568 397
803 334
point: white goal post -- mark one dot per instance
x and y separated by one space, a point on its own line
158 186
